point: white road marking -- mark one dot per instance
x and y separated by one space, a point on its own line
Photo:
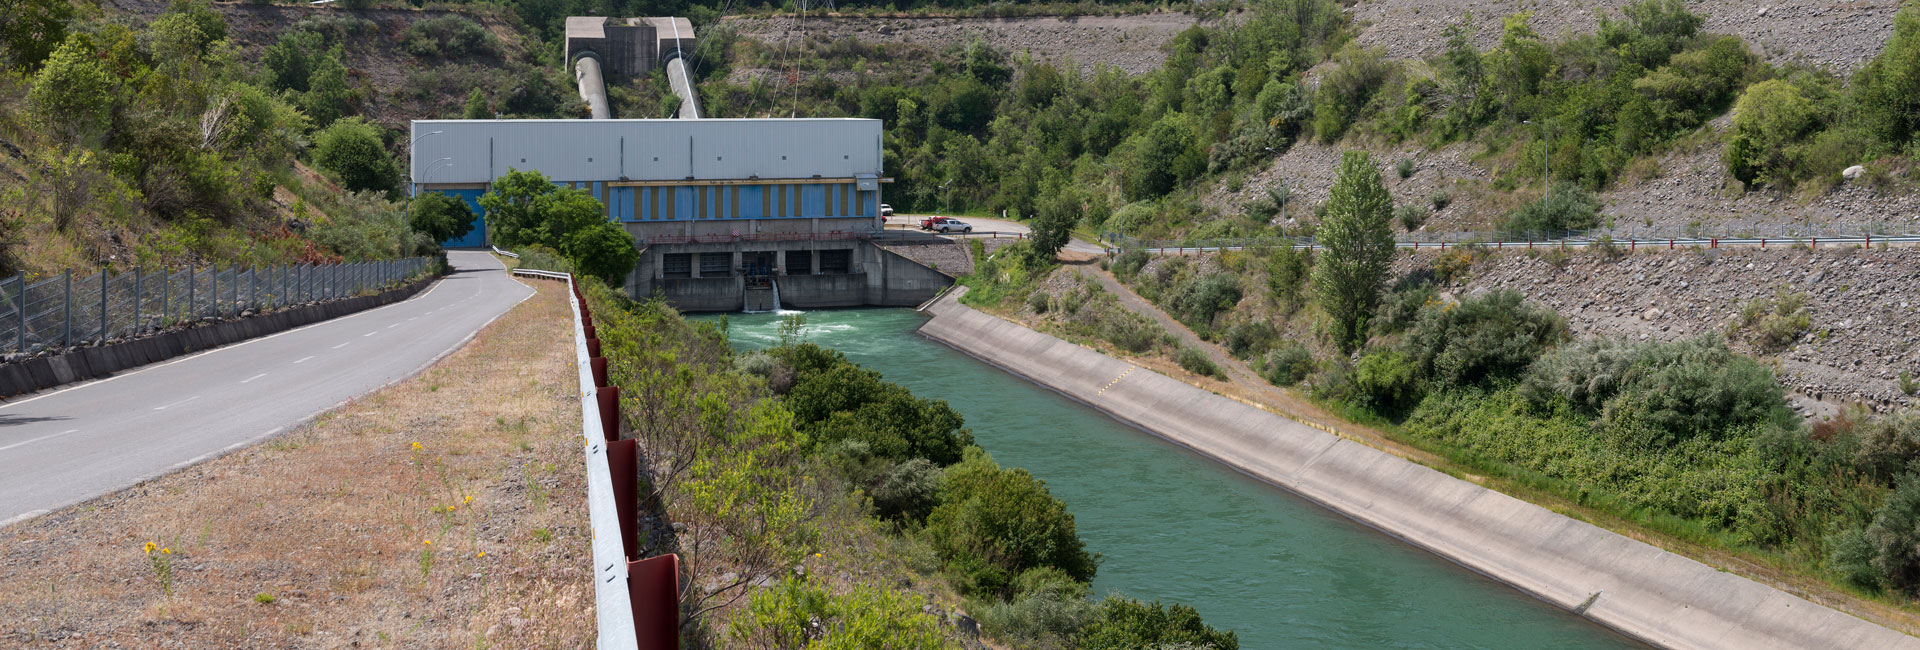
163 408
304 359
395 325
342 345
28 442
369 333
253 378
414 318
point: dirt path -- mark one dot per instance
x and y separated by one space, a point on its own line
444 511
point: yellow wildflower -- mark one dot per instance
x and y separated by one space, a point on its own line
166 551
469 499
482 554
416 446
428 542
150 547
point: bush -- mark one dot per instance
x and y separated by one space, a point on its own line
1405 168
1128 624
1128 263
1440 199
1770 118
1566 209
1773 325
448 36
1483 338
535 256
603 250
1386 381
1037 302
1660 393
1286 366
1197 362
1196 301
1347 88
846 402
351 150
907 491
800 613
1048 611
1410 216
1888 551
1248 339
993 524
1287 272
440 217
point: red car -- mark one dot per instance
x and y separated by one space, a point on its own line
945 224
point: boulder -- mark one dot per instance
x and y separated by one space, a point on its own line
1853 172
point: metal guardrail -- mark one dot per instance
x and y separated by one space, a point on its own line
1726 233
617 619
497 251
1627 245
38 312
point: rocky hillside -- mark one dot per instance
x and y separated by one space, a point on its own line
1130 43
1864 328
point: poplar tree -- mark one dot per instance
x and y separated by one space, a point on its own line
1357 237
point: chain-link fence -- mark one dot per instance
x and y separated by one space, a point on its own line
45 311
1731 230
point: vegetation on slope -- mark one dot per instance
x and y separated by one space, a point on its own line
783 457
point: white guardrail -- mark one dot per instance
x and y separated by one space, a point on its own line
613 604
497 251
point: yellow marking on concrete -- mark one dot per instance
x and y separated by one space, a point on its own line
1116 380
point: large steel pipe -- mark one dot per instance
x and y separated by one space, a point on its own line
593 89
682 82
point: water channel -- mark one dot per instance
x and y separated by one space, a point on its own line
1172 526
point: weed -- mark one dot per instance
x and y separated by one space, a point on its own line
542 535
161 559
426 558
1405 168
263 598
1907 383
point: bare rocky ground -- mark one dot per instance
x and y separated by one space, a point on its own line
1130 43
1865 312
1836 35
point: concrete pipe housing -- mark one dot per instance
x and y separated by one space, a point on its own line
598 46
680 77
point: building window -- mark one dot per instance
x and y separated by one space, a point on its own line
653 203
840 261
676 265
799 263
735 191
797 210
765 202
781 200
671 213
716 265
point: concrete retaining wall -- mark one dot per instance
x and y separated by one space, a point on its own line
74 365
1642 591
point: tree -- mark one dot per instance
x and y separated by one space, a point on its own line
510 206
994 523
1769 119
477 106
440 217
1357 235
1888 89
351 149
30 30
73 94
603 250
289 62
1125 624
328 96
1053 226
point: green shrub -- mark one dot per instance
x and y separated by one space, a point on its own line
800 613
1127 624
907 491
1249 339
1128 263
993 524
1287 365
1405 168
1196 301
1130 331
1440 199
1287 272
1770 118
1197 362
535 256
439 216
1660 393
1037 302
1489 337
1890 545
1049 608
1566 209
1346 90
351 150
1410 216
1907 383
449 36
1385 381
847 402
1773 325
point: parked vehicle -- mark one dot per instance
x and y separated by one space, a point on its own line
886 210
945 224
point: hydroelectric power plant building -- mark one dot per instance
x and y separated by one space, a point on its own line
727 213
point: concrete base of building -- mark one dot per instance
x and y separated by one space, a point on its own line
709 277
1642 591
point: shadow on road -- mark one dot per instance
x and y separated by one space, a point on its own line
17 420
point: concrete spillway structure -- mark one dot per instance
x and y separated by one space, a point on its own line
597 45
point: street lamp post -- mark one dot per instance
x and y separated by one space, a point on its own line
411 190
946 204
1546 161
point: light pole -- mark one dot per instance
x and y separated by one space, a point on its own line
411 190
946 204
1546 160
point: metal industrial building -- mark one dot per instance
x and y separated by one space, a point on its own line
706 200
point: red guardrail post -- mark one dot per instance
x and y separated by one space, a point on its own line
623 466
609 399
1713 242
599 365
654 586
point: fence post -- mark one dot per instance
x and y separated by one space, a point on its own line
66 339
235 290
166 286
20 307
193 278
136 299
103 306
213 291
253 286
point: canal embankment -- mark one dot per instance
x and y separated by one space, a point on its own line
1640 590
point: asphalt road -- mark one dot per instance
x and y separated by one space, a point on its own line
988 224
71 444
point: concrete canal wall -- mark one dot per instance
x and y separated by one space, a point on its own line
1642 591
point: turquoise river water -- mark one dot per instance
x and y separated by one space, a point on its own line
1173 526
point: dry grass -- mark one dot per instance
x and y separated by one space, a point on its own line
343 533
